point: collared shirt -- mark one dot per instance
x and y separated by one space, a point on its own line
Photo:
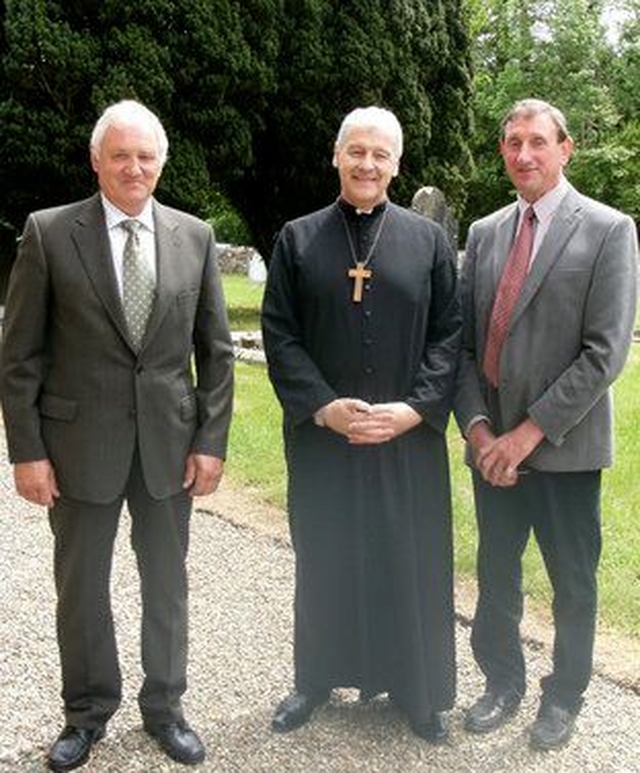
118 236
545 208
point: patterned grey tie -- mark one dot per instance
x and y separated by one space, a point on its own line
137 284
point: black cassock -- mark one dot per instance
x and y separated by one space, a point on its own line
371 525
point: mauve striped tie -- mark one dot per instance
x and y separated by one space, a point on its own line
509 288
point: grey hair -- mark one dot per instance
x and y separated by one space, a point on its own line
372 118
128 112
527 108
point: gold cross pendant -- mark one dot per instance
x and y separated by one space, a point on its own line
359 274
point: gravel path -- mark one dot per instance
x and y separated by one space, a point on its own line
240 666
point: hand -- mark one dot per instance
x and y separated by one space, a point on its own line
202 474
340 413
36 482
382 423
498 461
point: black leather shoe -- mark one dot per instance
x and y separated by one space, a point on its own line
491 711
178 741
433 731
72 747
552 729
296 709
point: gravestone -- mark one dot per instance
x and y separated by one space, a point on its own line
430 202
257 270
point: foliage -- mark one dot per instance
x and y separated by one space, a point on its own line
229 226
251 95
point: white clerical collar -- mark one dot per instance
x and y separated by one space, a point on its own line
114 216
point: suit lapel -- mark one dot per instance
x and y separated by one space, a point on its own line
505 232
561 229
89 234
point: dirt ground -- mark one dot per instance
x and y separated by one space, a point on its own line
617 657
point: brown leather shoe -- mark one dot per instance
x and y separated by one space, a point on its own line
73 747
491 711
552 728
178 741
296 710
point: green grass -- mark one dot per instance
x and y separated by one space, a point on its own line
243 299
256 460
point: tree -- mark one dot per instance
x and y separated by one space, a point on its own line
411 57
251 95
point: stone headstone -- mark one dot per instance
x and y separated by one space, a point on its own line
257 270
430 202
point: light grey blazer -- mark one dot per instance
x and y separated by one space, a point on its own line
73 388
570 331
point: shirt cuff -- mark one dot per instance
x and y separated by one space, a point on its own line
319 416
475 420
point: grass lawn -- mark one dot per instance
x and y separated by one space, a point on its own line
243 299
256 460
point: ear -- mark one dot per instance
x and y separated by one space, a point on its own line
567 150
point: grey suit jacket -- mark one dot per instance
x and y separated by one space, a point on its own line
74 390
570 331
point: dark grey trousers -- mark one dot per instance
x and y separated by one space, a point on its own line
84 539
563 512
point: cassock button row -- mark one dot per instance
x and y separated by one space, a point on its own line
368 371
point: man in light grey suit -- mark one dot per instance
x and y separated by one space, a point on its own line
534 404
101 408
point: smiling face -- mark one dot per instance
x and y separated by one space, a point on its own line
128 166
366 161
534 155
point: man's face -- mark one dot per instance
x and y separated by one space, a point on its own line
366 162
127 166
534 157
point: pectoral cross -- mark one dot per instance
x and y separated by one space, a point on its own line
359 274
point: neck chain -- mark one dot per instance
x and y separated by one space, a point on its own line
361 272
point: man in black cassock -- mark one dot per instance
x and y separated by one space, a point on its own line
361 328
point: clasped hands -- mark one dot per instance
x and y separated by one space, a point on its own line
363 423
497 458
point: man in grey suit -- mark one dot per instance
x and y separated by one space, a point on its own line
533 401
101 407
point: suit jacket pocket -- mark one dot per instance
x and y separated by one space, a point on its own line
188 298
53 407
188 407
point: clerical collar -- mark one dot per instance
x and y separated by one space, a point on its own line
352 211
